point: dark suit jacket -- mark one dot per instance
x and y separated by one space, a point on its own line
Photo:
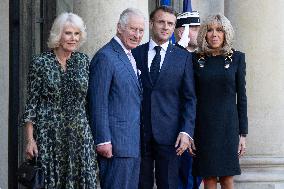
181 47
169 106
115 100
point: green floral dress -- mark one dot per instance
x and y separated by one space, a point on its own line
56 106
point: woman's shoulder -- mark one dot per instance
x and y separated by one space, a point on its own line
196 56
43 55
42 58
238 53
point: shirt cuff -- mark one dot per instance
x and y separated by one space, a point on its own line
100 144
186 135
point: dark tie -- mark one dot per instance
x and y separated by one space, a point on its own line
155 65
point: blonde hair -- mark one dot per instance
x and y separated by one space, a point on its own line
58 25
203 47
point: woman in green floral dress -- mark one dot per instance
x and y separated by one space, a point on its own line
55 118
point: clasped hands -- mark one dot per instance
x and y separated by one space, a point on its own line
183 143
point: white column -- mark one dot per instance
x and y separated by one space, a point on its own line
4 91
259 31
207 7
101 18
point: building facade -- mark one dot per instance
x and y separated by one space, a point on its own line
259 33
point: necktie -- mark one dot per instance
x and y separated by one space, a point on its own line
133 62
155 65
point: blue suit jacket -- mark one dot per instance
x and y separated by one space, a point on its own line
169 106
114 101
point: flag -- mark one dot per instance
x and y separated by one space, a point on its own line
165 2
187 6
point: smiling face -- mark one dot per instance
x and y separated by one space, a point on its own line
70 38
162 26
215 36
132 33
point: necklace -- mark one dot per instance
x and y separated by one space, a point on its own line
61 62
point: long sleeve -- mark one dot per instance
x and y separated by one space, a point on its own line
33 92
241 95
99 86
189 99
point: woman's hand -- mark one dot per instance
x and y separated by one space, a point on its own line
242 146
31 148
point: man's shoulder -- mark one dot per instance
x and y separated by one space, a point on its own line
141 47
181 51
106 49
179 46
104 54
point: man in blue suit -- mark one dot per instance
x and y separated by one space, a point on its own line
115 96
168 107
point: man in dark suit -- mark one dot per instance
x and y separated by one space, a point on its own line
187 27
115 96
168 107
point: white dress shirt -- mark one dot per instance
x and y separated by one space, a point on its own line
152 53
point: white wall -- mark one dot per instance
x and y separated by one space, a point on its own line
101 18
4 91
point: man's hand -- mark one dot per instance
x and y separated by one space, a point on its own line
105 150
183 143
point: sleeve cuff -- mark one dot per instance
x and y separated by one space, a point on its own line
187 135
100 144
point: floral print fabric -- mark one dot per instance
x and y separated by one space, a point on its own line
56 106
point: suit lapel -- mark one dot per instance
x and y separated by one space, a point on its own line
144 62
123 57
168 60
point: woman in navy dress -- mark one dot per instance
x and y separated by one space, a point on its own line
221 119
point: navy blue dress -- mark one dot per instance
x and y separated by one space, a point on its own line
221 114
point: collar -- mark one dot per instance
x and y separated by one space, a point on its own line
152 44
122 45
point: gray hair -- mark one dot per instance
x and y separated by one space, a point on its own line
58 25
124 16
221 20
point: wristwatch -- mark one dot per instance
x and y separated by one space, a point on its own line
243 135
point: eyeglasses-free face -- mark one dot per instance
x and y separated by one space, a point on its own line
215 36
70 38
162 26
